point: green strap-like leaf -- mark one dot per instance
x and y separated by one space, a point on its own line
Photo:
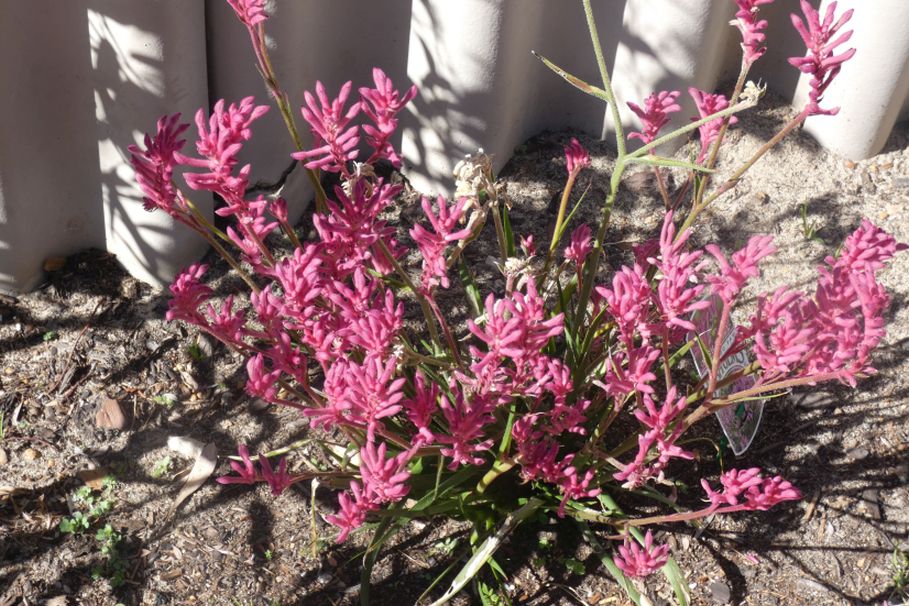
590 89
669 162
486 549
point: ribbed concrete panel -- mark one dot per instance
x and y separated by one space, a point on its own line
50 200
308 40
84 78
147 60
873 85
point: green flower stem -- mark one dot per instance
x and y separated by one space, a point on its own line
715 148
604 75
283 103
732 109
498 468
560 218
424 304
500 234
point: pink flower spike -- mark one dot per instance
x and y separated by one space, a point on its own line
250 12
246 472
579 246
334 142
189 293
733 276
820 61
381 105
752 29
278 479
655 114
154 165
640 561
707 104
576 157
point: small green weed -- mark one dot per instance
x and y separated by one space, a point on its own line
809 227
161 467
50 335
195 351
165 399
90 508
899 569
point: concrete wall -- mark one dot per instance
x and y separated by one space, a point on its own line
83 79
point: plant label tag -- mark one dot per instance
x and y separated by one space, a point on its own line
740 422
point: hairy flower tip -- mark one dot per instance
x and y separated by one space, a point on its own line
821 61
381 105
354 505
574 485
576 157
250 12
637 560
335 142
384 478
707 104
246 471
752 29
261 384
220 140
579 246
278 479
189 293
655 113
734 275
629 302
748 490
677 293
432 245
867 249
154 165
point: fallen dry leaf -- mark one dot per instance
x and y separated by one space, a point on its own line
202 469
185 446
110 415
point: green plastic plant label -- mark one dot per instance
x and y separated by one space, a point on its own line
740 422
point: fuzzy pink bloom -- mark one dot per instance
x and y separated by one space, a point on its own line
655 114
382 105
189 293
783 330
677 297
466 428
278 479
528 246
246 471
154 167
735 275
574 485
629 302
376 329
641 561
820 61
422 406
752 29
384 478
576 157
515 327
259 383
226 323
867 249
579 246
707 104
354 505
250 12
361 393
334 142
351 229
747 489
219 142
432 244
